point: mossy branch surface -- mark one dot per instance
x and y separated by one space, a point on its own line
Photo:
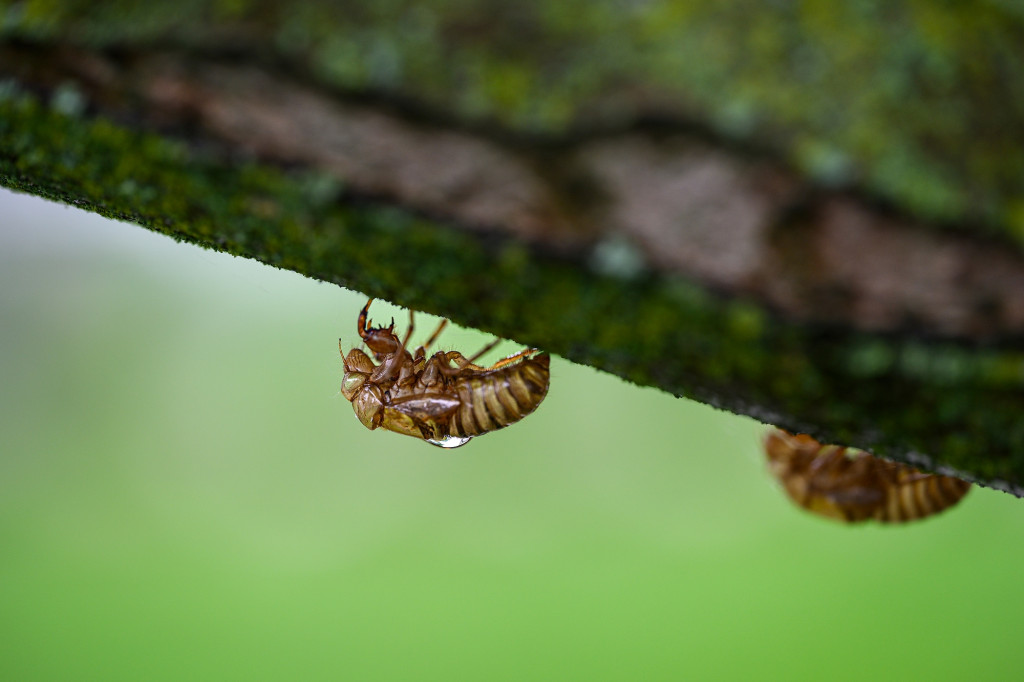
921 102
939 405
918 103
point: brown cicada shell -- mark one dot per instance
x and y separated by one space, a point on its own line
852 486
443 399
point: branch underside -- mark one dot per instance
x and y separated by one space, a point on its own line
603 248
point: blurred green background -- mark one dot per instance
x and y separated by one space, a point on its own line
184 494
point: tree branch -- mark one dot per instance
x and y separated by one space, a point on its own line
653 247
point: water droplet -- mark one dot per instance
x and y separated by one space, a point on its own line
450 441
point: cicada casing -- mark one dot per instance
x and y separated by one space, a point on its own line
445 398
852 486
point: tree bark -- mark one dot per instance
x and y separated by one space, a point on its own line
650 243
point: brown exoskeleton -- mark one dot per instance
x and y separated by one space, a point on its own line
831 481
428 397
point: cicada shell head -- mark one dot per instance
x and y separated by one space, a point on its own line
368 405
357 369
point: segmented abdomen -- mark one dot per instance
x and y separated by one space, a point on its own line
915 495
493 399
830 481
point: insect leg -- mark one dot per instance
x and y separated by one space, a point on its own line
525 353
361 326
433 337
408 334
460 362
483 350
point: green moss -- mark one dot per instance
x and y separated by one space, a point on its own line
920 101
961 406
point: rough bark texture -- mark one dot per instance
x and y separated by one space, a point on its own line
629 232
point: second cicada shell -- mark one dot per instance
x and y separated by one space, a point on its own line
852 486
